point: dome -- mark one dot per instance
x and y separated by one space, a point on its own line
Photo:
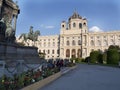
75 16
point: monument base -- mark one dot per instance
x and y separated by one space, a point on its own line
14 52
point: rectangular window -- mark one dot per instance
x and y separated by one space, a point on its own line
52 51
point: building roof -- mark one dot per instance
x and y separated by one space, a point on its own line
75 16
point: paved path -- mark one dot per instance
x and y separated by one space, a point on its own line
88 77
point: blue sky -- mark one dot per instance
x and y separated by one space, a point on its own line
46 15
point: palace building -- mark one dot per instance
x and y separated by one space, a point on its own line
74 40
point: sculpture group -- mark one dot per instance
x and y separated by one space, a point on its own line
6 32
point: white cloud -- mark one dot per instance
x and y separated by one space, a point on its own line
49 27
95 29
42 25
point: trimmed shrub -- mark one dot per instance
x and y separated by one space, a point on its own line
94 56
112 56
100 58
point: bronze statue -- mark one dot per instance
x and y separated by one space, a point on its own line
31 35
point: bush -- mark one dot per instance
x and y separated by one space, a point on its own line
100 58
112 56
94 56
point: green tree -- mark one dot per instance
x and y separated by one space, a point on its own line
112 56
94 56
114 47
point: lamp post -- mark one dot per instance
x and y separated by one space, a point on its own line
81 43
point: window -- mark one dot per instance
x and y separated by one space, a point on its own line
91 37
98 37
68 43
39 51
52 51
67 37
48 44
43 51
104 36
73 53
48 51
79 42
99 43
63 26
67 53
40 44
92 43
58 51
92 50
74 25
44 44
112 42
84 24
105 42
73 42
80 25
53 43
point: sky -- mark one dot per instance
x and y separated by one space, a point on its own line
47 15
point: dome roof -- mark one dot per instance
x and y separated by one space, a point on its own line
75 16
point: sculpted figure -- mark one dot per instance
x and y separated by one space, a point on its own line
2 29
10 33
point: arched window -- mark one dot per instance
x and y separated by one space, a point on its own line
67 53
79 53
105 43
48 51
112 42
99 43
74 24
63 26
80 25
84 24
79 42
68 43
73 42
73 53
44 51
92 43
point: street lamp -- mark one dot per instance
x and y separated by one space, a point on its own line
81 43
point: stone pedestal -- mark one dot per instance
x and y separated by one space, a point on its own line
12 52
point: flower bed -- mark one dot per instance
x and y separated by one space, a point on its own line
26 78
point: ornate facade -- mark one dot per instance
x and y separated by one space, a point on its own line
75 40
